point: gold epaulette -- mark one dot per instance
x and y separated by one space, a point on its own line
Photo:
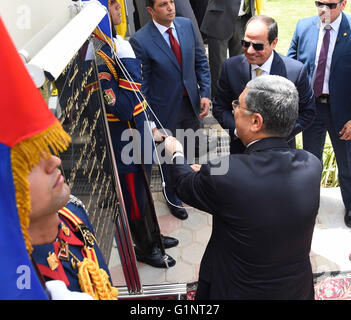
110 63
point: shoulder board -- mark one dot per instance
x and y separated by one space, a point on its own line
99 46
77 202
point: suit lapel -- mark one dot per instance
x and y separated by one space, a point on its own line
278 67
312 36
246 71
162 44
342 38
182 41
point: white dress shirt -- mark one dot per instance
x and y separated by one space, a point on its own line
266 67
163 32
241 9
333 35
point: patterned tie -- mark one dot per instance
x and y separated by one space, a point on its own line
258 72
175 46
322 62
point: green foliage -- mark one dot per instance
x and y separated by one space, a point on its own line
330 169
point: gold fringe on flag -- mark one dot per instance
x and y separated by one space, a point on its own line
24 156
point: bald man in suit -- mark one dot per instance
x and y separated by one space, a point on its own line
333 97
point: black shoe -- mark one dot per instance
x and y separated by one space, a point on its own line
179 213
348 218
155 259
169 242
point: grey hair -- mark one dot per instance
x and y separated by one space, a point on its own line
277 100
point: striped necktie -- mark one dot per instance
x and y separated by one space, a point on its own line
175 46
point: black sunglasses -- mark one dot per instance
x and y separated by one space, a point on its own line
332 5
256 46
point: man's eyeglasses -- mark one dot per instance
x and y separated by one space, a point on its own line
331 5
256 46
236 104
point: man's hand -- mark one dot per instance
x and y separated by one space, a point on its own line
158 135
172 145
346 131
204 106
196 167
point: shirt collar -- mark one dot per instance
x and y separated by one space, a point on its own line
334 25
252 142
162 28
266 66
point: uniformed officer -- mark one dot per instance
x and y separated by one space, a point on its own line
63 239
125 107
29 133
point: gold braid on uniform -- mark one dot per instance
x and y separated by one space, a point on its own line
95 281
24 156
109 63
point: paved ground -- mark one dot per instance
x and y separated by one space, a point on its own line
330 246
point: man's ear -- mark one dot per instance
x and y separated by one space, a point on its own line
274 43
149 10
256 122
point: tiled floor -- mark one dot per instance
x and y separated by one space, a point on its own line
331 244
193 235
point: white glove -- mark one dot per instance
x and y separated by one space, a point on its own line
59 291
172 145
124 49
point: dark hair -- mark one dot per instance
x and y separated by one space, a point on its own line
271 24
150 3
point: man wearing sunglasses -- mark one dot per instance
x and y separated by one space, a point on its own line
323 44
223 25
258 43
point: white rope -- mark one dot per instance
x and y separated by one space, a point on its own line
129 78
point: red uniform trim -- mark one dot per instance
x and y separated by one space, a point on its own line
134 212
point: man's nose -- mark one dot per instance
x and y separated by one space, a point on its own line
170 6
250 49
54 162
324 8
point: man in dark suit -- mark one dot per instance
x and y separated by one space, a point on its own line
264 207
199 8
223 24
259 57
330 83
176 76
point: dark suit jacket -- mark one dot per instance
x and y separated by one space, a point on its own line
236 73
220 16
264 210
303 48
163 80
